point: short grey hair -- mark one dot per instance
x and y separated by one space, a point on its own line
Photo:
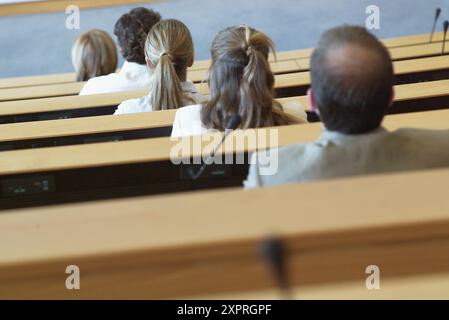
351 101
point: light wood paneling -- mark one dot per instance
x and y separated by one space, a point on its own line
176 246
102 154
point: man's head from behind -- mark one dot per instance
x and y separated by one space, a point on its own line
352 80
131 31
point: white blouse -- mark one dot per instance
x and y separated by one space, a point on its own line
132 76
188 122
188 119
144 104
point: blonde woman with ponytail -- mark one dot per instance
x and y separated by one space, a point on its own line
169 52
240 82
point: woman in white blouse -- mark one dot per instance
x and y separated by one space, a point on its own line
241 82
131 31
169 52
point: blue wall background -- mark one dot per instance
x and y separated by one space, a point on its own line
40 44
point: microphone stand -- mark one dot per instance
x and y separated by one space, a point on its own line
274 253
233 122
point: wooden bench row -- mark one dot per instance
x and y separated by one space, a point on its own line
410 97
144 167
195 75
406 71
428 286
197 72
415 97
209 243
411 71
170 242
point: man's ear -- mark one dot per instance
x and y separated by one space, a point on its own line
190 61
313 107
393 95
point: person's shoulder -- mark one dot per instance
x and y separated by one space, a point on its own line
191 111
134 106
421 137
277 166
199 98
420 133
296 110
101 84
192 107
191 93
295 150
286 155
189 116
188 121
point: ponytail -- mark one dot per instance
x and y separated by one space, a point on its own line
256 91
169 48
166 92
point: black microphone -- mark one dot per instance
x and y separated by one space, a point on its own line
275 254
445 27
437 15
232 124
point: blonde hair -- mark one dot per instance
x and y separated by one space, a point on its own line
94 54
241 81
169 48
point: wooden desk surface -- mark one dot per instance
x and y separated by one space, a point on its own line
73 88
398 53
109 123
282 81
67 102
88 125
27 81
420 65
159 149
412 40
277 67
403 92
418 287
421 90
392 43
399 50
401 67
195 74
416 51
198 71
159 247
36 7
53 90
